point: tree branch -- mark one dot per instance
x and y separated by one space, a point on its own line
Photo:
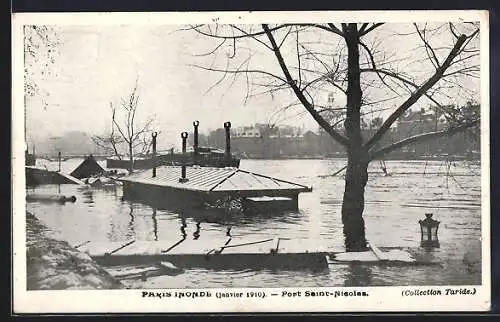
240 71
321 121
419 93
431 54
421 138
372 60
408 82
335 29
375 25
330 28
116 123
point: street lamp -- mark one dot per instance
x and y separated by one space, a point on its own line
428 229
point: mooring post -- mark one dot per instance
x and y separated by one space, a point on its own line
154 135
227 126
183 178
195 142
59 160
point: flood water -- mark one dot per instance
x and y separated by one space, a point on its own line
394 204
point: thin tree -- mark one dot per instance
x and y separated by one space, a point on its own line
136 136
347 59
112 141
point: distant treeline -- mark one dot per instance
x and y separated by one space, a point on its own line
274 142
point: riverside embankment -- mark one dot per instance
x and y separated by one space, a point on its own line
55 265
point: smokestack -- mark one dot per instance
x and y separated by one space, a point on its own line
195 141
183 178
154 135
227 126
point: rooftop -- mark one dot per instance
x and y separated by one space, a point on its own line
207 179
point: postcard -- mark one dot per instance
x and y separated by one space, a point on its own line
321 161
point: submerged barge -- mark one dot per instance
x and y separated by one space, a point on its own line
37 175
237 253
196 186
202 187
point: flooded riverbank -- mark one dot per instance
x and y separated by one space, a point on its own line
54 265
394 204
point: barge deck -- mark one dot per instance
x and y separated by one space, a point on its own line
201 186
237 253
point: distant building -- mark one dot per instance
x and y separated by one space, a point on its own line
273 142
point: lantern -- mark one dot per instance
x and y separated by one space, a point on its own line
428 229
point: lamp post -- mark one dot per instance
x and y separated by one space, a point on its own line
428 230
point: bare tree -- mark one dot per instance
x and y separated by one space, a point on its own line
110 142
126 130
347 59
40 51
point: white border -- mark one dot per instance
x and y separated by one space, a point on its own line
380 299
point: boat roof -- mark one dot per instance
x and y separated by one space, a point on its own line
210 179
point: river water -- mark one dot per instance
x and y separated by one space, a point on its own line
394 204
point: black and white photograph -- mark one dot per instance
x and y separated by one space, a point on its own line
251 161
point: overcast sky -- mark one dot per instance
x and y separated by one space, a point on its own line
97 65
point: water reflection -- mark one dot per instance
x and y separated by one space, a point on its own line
196 234
130 228
183 227
155 225
222 216
88 197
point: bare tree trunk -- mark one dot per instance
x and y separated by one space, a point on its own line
356 177
131 157
353 203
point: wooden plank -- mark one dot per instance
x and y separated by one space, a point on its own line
71 178
198 247
168 268
399 255
380 255
241 246
120 247
394 255
81 244
146 247
100 248
132 272
367 256
303 245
